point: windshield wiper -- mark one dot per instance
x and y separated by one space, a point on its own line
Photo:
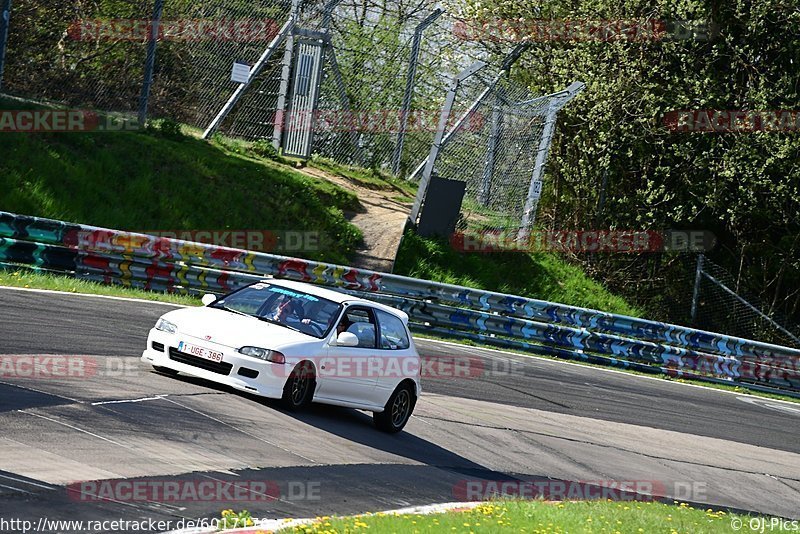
237 312
273 321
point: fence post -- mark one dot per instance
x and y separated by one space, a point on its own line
444 118
412 73
5 21
150 62
491 154
283 92
534 189
698 274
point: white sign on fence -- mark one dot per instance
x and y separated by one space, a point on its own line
536 189
240 72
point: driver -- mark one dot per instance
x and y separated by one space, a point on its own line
288 311
343 325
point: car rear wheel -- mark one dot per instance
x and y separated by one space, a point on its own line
397 411
299 388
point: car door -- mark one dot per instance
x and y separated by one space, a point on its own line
346 374
396 360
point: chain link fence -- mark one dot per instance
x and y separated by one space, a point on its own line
54 54
719 304
385 73
93 54
498 147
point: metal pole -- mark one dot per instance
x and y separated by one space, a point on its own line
5 21
444 117
327 14
412 73
534 189
285 30
150 62
491 153
283 92
698 274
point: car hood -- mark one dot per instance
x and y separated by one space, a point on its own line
233 330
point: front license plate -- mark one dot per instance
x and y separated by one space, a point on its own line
200 352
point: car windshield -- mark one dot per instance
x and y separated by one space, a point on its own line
290 308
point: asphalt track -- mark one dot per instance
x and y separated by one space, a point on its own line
515 418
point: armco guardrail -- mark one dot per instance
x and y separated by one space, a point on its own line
163 264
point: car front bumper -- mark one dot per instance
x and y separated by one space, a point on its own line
269 381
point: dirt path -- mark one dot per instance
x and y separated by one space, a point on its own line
381 221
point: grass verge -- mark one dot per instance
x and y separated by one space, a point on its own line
28 279
540 517
160 179
369 178
540 276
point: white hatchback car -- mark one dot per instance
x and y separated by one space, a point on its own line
299 343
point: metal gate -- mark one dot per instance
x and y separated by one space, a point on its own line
299 125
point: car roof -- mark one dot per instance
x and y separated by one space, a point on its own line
335 296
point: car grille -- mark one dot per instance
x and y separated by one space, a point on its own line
222 368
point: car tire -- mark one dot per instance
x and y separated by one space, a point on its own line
299 388
397 411
165 370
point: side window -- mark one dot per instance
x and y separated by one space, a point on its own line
360 322
393 331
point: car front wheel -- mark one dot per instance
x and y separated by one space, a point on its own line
299 388
397 411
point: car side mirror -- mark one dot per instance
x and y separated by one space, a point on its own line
346 339
208 299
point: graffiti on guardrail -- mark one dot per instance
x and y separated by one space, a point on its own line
173 265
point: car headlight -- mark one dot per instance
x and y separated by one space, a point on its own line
166 326
263 354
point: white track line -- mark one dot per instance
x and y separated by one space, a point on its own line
16 489
125 299
157 397
76 428
27 482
